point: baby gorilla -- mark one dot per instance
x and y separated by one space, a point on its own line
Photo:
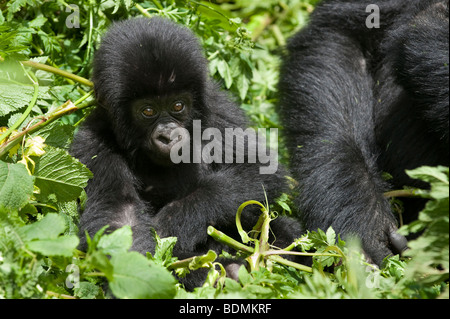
151 79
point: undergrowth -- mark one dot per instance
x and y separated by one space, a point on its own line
45 64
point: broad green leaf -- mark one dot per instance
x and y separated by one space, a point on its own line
16 186
93 241
119 241
61 246
49 227
57 134
437 177
137 277
430 174
59 174
42 237
15 97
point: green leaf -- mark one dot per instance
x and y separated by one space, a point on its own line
49 227
42 237
57 135
430 252
163 250
331 236
86 290
137 277
304 243
203 261
38 22
225 73
101 262
16 186
61 246
59 174
242 86
16 97
437 177
285 206
93 242
119 241
244 277
430 174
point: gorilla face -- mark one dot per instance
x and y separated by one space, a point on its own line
159 120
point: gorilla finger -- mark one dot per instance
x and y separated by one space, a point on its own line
399 243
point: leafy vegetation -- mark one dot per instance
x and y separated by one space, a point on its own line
46 51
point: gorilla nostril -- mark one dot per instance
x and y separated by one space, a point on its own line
164 139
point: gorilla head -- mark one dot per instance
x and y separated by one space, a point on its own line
151 83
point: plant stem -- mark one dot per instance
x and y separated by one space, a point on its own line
48 68
180 263
158 5
241 231
290 247
289 263
402 193
142 10
222 238
278 35
66 108
84 97
95 274
58 295
297 253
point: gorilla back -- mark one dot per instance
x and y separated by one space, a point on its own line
150 79
357 99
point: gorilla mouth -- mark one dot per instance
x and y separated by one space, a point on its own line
160 158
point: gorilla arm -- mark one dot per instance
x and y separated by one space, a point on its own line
215 201
327 103
112 194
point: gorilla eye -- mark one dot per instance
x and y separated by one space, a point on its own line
148 112
178 107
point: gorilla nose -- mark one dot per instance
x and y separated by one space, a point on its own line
164 139
163 136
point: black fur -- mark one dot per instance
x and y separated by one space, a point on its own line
154 58
358 101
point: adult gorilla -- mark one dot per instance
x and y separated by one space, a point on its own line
358 99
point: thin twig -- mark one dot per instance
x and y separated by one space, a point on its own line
402 193
65 109
221 237
48 68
